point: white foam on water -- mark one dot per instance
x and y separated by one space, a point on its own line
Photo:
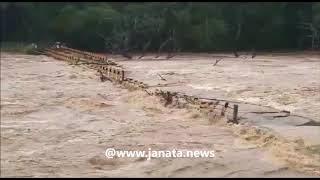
204 87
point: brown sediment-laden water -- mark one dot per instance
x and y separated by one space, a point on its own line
57 120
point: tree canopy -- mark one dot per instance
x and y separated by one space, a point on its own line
184 26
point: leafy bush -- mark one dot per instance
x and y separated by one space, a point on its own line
18 48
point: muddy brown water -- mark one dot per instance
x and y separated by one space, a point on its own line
57 120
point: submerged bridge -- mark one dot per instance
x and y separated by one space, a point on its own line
111 71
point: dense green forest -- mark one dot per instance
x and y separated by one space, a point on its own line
174 26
